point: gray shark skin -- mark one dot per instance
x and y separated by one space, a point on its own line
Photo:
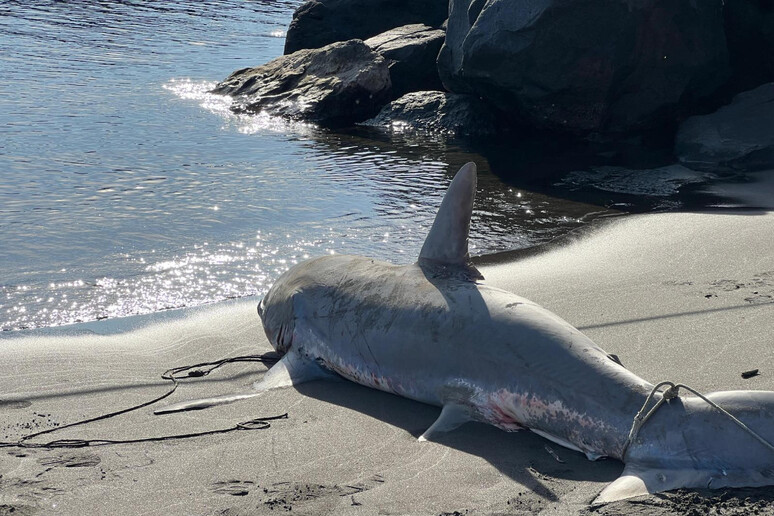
434 333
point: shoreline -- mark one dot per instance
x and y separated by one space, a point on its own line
658 290
123 324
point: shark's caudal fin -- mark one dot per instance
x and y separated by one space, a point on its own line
447 242
723 439
632 482
291 370
638 481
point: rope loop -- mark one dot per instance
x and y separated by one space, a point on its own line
174 375
259 423
672 392
66 443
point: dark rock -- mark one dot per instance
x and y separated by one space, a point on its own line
437 112
739 135
586 66
411 51
338 84
750 36
320 22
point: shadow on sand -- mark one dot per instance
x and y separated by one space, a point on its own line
522 456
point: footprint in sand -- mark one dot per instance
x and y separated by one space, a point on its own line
71 460
756 290
14 404
17 510
233 487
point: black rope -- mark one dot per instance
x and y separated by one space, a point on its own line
174 375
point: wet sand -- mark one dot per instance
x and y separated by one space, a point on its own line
680 297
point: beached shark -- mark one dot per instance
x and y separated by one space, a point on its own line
435 333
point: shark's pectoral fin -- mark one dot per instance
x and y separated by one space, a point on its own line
204 403
452 416
291 370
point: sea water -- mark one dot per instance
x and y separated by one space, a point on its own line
126 188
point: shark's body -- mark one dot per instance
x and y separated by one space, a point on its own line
433 333
424 334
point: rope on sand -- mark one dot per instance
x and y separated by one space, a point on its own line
174 375
673 391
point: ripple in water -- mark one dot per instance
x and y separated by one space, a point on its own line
126 192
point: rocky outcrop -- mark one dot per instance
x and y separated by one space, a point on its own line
411 51
338 84
319 22
750 36
437 112
739 135
580 66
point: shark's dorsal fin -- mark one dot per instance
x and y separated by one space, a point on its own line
447 242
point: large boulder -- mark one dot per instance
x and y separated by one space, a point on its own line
750 35
320 22
411 51
340 83
586 66
739 135
437 112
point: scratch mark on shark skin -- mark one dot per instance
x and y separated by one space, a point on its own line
531 411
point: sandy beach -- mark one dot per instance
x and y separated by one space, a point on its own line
683 297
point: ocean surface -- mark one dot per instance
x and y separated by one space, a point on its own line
126 188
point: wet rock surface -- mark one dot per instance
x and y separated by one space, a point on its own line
582 67
411 51
340 83
436 111
320 22
749 28
738 136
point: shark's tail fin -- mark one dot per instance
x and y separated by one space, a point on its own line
689 443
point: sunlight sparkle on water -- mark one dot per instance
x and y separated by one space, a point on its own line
207 212
199 91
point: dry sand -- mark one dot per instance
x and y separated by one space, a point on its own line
681 297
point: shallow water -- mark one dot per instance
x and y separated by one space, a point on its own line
125 188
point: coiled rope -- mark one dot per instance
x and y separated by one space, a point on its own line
673 391
174 375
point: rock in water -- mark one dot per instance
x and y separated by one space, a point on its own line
580 66
338 84
439 112
750 35
739 135
411 51
320 22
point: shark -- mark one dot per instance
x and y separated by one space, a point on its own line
435 332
